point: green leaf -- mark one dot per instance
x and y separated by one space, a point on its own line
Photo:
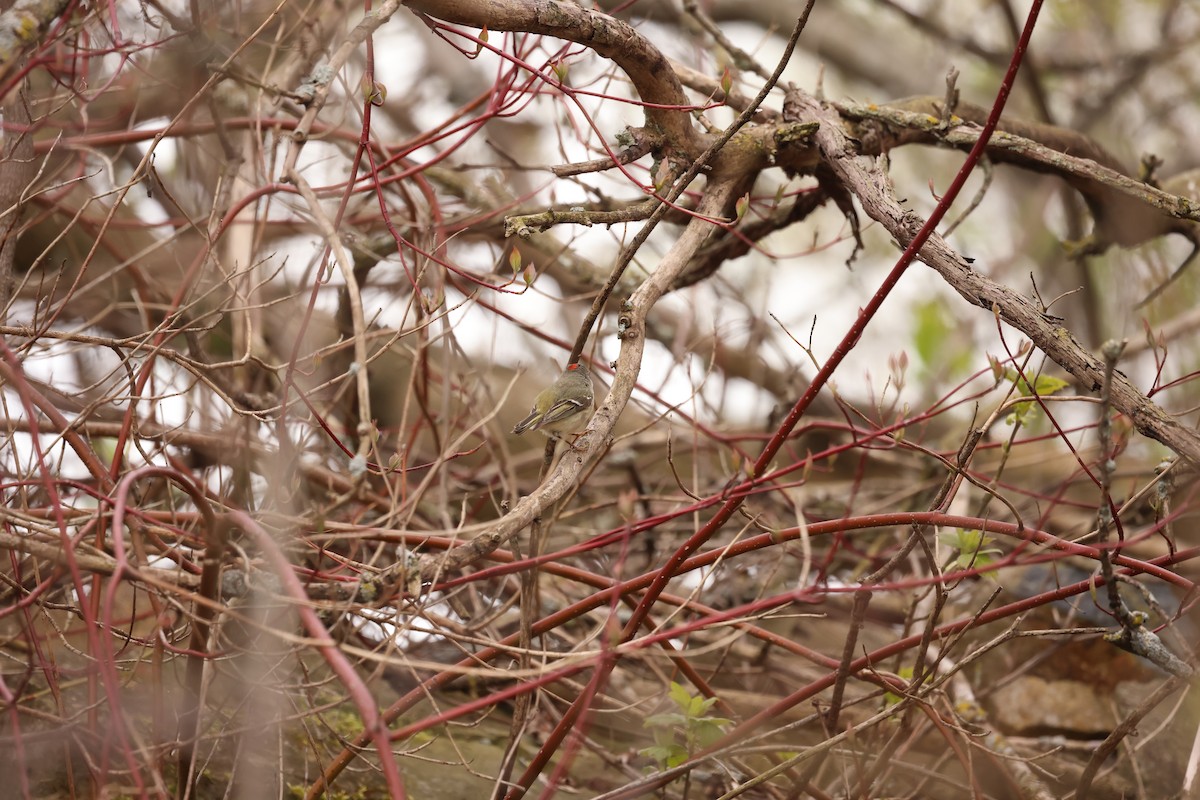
708 730
890 698
931 331
1043 386
1048 385
997 370
742 204
668 720
679 695
971 546
938 342
670 756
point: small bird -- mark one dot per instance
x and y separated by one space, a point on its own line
564 403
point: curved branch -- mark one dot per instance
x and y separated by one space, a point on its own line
1054 340
1127 211
717 199
646 67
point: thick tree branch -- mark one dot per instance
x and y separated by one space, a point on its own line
717 199
840 153
646 67
1127 211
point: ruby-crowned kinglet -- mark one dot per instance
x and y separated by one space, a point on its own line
564 403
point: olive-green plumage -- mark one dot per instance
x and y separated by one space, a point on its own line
564 403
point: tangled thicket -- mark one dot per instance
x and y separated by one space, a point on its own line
889 485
